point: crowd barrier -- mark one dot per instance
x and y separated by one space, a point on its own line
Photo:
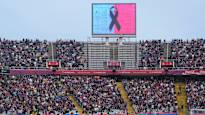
105 72
157 114
87 72
112 113
186 72
109 113
30 72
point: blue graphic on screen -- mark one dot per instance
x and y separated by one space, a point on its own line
101 20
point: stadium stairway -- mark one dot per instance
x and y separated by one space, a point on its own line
125 97
181 96
52 51
77 107
167 50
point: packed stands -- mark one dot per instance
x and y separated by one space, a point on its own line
28 53
42 94
195 93
184 53
70 53
96 94
23 53
151 94
188 53
31 94
50 93
151 51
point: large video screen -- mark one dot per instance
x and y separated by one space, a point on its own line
113 19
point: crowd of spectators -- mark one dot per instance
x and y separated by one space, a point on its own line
196 94
27 53
43 94
23 53
151 52
184 53
46 94
188 53
32 94
70 53
96 94
151 94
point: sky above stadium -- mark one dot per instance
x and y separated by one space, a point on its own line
71 19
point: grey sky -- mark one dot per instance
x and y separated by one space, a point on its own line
71 19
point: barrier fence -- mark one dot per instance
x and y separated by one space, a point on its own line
105 72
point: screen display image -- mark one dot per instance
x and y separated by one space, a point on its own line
114 19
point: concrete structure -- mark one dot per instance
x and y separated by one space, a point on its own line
98 53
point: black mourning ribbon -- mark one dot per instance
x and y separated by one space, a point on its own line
114 19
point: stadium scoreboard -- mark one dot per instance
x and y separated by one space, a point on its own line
113 19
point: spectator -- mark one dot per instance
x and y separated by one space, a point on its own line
151 95
70 53
96 94
196 94
188 53
151 51
24 53
29 94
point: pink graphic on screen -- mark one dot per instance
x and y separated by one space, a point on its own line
114 19
126 18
